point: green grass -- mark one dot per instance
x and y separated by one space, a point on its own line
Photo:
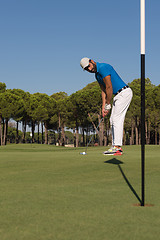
54 193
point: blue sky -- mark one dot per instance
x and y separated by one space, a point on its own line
42 42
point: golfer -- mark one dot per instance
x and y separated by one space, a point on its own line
111 83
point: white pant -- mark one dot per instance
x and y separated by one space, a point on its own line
121 103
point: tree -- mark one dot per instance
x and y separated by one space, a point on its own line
83 104
81 111
40 108
10 105
2 89
156 114
135 108
47 109
20 115
59 120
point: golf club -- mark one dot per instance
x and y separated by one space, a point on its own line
84 153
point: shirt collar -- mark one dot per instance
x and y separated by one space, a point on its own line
97 64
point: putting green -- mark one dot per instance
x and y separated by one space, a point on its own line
55 193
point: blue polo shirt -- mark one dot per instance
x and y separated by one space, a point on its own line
103 70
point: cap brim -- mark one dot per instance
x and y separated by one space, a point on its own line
85 67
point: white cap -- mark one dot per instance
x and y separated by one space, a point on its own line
84 62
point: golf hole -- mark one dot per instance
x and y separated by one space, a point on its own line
146 205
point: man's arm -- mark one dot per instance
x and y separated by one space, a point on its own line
103 95
107 93
109 90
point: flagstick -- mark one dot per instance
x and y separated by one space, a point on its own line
143 99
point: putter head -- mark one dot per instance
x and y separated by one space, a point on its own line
83 153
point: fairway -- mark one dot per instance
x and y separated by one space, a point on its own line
54 193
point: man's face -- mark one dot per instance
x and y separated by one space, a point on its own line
92 68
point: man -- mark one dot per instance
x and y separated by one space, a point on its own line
111 83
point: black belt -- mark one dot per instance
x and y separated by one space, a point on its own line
120 90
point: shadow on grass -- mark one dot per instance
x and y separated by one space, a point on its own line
118 163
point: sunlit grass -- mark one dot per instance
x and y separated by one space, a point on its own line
54 193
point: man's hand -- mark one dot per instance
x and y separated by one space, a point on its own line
105 109
104 112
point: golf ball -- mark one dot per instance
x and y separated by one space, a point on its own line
83 153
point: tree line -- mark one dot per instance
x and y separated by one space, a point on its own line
81 112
